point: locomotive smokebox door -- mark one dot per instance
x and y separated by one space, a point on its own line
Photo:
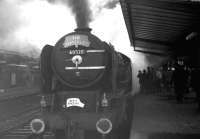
78 59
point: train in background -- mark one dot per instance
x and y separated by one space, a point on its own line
86 88
17 71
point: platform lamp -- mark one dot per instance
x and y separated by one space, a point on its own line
191 35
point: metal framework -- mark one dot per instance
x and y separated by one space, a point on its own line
156 26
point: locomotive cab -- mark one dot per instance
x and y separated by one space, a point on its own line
86 87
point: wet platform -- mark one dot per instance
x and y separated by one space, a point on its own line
159 116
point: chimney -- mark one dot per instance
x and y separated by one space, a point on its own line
88 30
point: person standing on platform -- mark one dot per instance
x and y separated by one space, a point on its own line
158 80
180 80
139 76
195 76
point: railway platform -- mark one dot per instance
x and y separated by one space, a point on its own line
159 116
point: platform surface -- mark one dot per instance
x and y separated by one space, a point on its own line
159 116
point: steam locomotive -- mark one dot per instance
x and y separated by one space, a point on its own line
86 89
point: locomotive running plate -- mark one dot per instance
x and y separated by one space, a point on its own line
70 102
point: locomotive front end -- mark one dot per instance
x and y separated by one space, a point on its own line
79 60
80 75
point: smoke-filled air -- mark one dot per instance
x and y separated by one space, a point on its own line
81 11
27 25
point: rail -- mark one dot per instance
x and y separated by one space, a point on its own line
17 121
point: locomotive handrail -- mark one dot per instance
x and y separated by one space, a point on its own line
89 50
85 68
95 51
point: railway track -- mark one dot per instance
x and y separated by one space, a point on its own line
14 123
18 127
24 132
21 132
18 94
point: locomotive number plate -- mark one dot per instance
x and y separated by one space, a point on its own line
77 52
70 102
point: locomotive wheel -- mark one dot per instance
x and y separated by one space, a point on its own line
45 67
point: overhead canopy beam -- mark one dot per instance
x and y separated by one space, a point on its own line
156 26
154 41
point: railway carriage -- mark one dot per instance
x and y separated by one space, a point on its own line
86 88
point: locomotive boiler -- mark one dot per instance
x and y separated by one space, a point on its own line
86 89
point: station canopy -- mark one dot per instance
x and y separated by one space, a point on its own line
159 26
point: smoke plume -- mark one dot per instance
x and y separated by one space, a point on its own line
111 4
80 9
82 12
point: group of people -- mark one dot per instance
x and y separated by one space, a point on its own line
179 78
154 80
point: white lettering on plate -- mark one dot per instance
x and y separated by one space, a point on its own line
74 102
76 52
78 39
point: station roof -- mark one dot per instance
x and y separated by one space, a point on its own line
157 26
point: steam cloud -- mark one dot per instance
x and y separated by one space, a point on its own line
10 23
82 12
80 9
111 4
